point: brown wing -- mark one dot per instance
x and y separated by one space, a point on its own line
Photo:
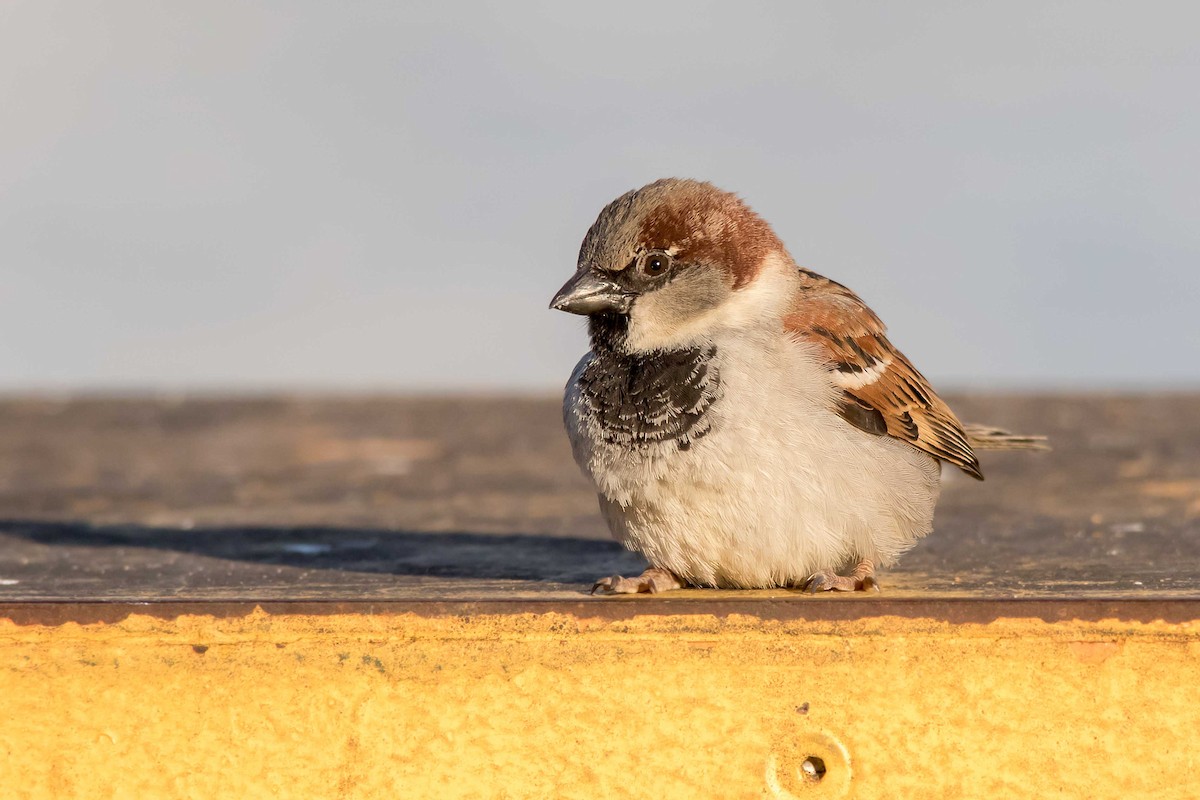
883 393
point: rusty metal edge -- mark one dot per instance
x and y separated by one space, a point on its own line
951 610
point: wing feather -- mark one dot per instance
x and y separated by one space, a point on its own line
881 388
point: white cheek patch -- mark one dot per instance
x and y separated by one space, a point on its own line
652 326
655 325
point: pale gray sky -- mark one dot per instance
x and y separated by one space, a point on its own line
385 195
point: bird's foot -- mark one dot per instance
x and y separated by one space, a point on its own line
861 579
652 581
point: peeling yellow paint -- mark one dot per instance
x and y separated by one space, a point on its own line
556 705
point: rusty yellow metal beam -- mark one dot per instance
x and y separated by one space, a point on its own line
805 699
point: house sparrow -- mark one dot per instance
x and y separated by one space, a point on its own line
745 421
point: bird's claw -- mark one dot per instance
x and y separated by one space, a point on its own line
861 580
652 581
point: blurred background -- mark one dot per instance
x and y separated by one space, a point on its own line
384 196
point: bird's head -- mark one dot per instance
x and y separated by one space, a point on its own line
662 266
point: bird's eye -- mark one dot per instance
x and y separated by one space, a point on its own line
655 264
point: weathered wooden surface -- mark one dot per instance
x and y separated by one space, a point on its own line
474 500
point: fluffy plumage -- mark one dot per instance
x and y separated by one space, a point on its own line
746 422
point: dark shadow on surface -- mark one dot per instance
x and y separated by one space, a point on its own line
57 572
111 551
78 561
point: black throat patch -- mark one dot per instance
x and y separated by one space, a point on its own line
652 397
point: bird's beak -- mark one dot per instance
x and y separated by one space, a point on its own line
588 294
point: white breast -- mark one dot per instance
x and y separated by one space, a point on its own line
780 488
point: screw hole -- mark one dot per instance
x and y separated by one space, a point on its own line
813 769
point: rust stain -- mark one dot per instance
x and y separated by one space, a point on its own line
319 446
1094 652
1172 490
1186 490
1135 468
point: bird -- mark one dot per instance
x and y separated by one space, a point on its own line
745 421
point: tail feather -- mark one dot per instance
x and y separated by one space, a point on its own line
985 437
